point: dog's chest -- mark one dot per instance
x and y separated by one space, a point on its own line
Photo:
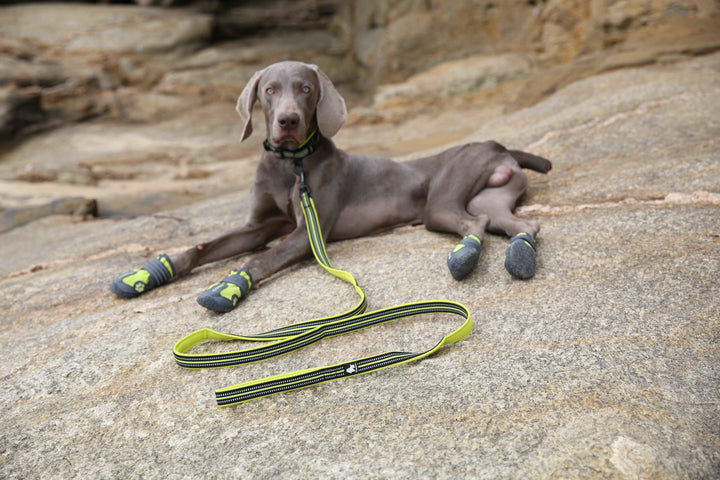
287 195
276 188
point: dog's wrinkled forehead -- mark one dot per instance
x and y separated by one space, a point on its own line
288 74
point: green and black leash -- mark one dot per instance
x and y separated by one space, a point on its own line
293 337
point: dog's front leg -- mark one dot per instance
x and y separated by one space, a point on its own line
163 269
247 238
292 249
224 295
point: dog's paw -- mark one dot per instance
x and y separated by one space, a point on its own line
464 256
225 295
156 273
520 256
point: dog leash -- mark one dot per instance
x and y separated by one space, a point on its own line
295 336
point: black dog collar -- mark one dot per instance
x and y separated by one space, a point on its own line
303 150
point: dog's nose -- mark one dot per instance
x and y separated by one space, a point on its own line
289 121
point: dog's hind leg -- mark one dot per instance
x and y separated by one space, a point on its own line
498 205
453 218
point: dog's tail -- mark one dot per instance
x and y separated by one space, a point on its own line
533 162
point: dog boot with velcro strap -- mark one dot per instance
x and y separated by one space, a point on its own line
224 295
156 273
520 256
464 256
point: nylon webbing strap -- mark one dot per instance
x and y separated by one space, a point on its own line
293 337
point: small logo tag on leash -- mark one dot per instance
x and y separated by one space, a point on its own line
351 369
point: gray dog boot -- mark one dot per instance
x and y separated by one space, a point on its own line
224 295
156 273
464 256
520 256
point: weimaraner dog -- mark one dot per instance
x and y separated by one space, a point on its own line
464 190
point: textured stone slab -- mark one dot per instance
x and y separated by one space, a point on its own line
82 28
633 133
605 365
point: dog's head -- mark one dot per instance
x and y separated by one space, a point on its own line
296 98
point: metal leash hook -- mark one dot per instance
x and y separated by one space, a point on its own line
299 170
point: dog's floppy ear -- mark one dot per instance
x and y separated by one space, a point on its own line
331 109
245 103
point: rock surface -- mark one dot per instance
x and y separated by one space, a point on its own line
157 82
393 38
605 365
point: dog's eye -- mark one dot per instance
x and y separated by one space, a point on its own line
270 91
305 89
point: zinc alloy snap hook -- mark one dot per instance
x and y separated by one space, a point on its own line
299 170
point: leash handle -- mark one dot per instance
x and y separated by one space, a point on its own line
295 336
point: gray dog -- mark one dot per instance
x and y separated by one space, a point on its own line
464 190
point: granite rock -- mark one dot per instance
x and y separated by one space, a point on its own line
67 60
396 38
605 365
